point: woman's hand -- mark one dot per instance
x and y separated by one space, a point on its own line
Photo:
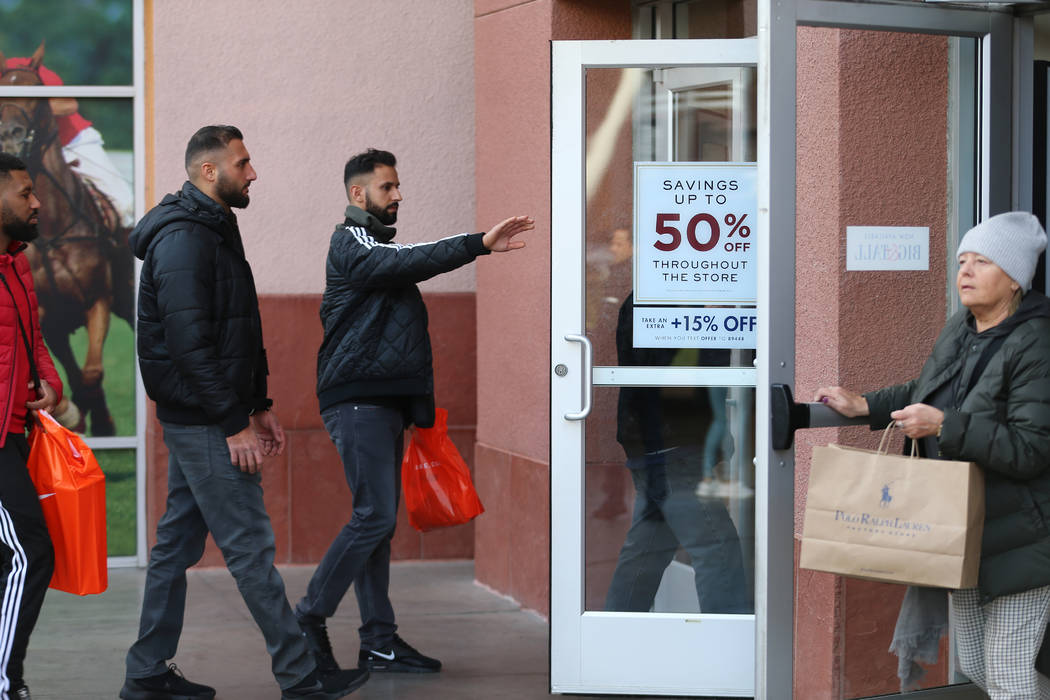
843 401
919 420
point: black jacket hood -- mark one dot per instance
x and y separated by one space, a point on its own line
187 205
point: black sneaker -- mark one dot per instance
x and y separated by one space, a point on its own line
170 685
22 694
315 632
326 687
397 657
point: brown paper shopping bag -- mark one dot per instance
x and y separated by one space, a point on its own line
893 518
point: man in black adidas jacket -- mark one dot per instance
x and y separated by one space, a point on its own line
374 378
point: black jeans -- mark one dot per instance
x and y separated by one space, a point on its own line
27 559
369 439
669 514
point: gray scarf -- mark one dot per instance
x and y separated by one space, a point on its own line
922 621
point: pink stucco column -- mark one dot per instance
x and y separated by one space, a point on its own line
872 139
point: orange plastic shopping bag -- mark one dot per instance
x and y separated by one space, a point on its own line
72 491
436 481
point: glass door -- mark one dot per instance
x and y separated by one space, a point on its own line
653 381
879 118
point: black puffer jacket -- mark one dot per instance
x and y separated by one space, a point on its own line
376 344
199 334
1003 425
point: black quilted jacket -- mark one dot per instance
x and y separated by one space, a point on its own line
1002 424
376 343
199 335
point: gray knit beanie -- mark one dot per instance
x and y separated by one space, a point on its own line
1013 241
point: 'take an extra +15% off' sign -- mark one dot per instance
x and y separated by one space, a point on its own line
693 247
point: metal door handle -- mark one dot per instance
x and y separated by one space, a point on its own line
587 388
788 416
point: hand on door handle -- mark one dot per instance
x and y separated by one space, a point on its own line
788 416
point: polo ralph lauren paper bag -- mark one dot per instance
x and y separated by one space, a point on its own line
893 518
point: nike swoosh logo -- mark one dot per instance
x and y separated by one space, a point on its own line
45 495
388 657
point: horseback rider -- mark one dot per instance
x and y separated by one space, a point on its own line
82 146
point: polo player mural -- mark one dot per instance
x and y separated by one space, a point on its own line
82 267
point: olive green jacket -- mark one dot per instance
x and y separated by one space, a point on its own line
1003 425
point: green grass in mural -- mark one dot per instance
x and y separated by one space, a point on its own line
118 363
119 467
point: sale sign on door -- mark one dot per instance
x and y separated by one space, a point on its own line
692 233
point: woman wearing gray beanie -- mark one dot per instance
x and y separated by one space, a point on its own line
983 396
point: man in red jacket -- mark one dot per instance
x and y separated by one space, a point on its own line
27 384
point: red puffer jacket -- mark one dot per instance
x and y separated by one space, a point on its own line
14 267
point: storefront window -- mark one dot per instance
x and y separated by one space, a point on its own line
696 19
67 108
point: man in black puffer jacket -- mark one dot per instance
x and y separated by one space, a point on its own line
374 378
202 360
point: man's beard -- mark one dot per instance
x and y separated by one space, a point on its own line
385 217
17 229
230 193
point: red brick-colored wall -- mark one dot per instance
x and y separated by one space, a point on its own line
305 491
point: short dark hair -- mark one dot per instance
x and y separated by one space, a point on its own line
210 138
365 163
8 163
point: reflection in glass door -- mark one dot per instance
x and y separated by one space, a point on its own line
657 595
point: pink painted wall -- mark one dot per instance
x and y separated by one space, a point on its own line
512 125
818 661
512 93
310 84
871 151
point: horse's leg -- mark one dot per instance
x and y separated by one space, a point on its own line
94 398
58 343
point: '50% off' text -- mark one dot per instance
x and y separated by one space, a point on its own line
713 233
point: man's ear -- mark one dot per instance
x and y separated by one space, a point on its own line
209 172
355 193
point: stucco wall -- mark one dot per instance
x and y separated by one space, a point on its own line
310 84
872 150
512 92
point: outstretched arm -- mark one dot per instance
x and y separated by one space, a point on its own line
499 238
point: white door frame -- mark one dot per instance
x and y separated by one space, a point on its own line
571 625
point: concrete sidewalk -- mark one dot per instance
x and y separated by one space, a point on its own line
489 646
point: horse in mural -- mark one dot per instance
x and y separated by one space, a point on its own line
82 267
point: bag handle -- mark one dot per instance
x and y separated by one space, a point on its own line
884 443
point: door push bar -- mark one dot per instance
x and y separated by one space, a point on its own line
789 416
